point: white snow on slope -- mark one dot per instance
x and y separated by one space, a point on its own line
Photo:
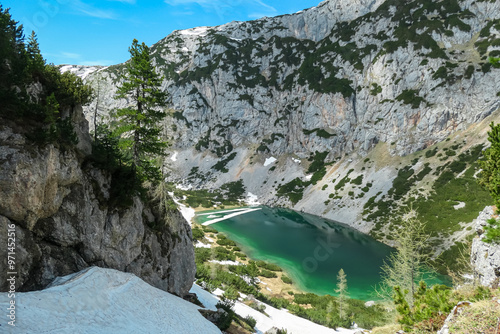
174 156
252 199
98 300
269 161
200 244
220 212
213 221
81 71
226 262
198 31
187 213
277 318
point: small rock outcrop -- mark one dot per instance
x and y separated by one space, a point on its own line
485 257
58 204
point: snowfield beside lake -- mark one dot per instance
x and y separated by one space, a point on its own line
98 300
277 318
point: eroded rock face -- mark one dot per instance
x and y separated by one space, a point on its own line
485 257
344 77
63 222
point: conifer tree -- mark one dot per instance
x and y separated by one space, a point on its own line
342 293
489 178
36 63
139 123
406 266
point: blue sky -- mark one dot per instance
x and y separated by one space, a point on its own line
99 32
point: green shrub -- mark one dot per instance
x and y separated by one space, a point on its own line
492 231
225 319
429 310
286 279
250 321
267 273
268 266
198 233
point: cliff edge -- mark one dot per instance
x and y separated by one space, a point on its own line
60 208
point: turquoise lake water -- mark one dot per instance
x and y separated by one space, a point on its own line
310 249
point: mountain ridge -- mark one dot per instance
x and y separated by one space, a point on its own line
397 80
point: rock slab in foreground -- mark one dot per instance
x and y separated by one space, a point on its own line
98 300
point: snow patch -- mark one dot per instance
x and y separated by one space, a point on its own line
252 199
308 177
296 160
98 300
182 187
277 318
174 156
200 244
269 161
227 262
198 31
187 213
239 212
218 292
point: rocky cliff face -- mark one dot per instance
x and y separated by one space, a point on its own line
58 206
485 257
348 80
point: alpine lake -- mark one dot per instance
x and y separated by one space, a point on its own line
310 249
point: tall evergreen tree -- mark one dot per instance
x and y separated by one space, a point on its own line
406 266
12 61
489 178
36 63
342 293
139 124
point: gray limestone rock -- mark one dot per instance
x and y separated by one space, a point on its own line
485 257
63 221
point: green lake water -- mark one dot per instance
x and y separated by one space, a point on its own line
310 249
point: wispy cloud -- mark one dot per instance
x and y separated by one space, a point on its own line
65 57
220 7
180 13
271 8
92 11
132 2
70 55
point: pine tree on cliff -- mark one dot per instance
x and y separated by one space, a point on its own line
139 124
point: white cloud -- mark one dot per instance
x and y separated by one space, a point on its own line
131 2
92 11
222 6
265 5
77 59
70 55
183 13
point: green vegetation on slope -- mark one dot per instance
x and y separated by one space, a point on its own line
452 184
34 93
320 309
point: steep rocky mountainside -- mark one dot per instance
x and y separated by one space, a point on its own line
485 257
60 208
366 105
